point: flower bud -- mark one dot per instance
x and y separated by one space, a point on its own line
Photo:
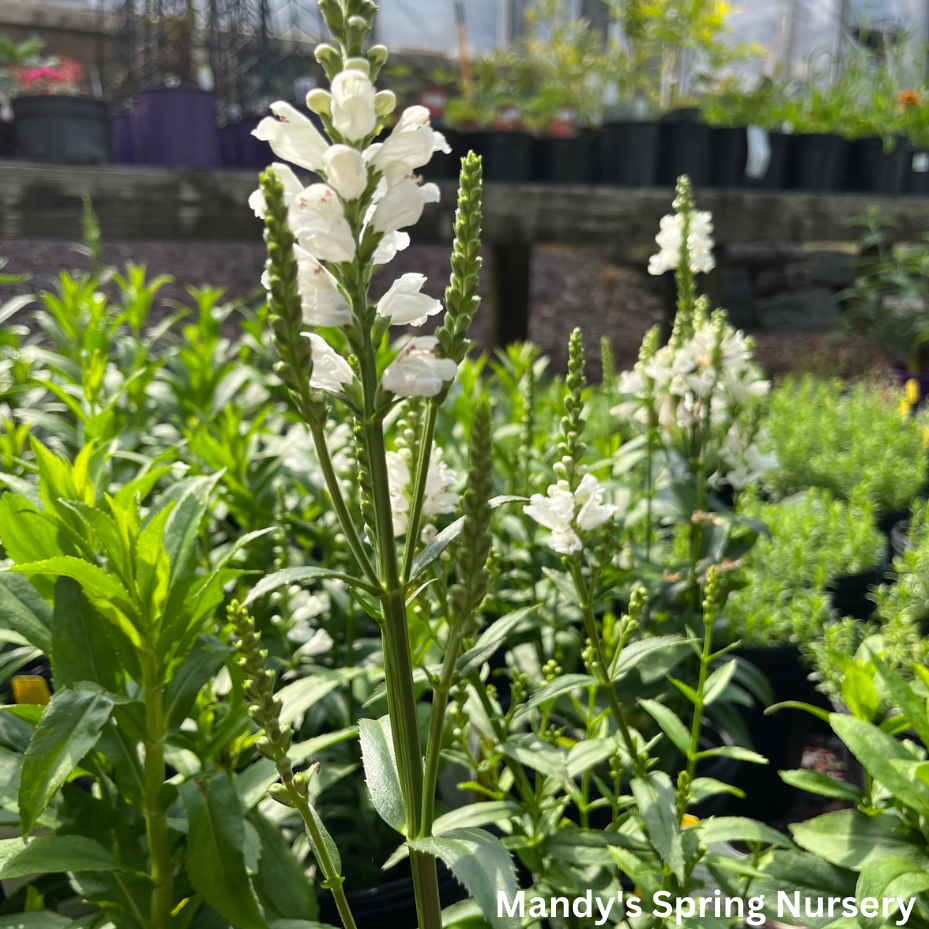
385 102
377 55
328 57
358 64
319 101
279 792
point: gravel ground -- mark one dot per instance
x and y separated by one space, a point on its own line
570 287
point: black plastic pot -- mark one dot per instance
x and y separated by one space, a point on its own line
229 153
729 148
900 539
175 127
7 139
63 130
562 161
506 156
917 174
122 148
684 148
776 176
780 737
872 170
887 521
850 592
629 154
390 906
817 161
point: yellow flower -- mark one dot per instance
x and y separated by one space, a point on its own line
912 391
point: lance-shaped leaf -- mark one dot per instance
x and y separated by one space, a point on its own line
68 730
300 575
198 668
380 764
479 860
215 850
25 612
655 798
52 854
103 590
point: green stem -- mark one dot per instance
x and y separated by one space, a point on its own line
419 487
333 880
606 685
684 792
156 822
338 501
437 728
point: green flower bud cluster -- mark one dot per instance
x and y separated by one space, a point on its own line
474 542
365 487
461 299
296 365
572 449
265 708
350 23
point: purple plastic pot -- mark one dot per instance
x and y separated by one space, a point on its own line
176 128
230 151
121 142
255 154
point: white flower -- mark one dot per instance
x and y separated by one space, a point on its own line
323 303
418 371
403 304
398 477
292 136
330 369
321 226
346 171
593 511
402 205
699 243
411 143
388 247
556 512
353 115
439 498
428 534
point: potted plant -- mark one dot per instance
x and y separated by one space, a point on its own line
14 56
889 301
174 118
54 121
748 143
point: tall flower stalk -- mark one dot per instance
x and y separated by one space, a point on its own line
324 242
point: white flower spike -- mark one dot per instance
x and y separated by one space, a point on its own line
353 113
323 303
346 171
402 205
320 225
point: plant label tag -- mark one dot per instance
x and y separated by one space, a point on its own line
920 162
759 153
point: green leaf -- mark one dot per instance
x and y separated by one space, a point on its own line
703 788
718 681
41 919
587 754
52 854
380 766
69 729
858 691
449 534
331 847
215 844
25 612
29 535
912 706
670 724
491 639
528 749
81 647
733 751
670 647
280 881
564 684
720 829
889 877
655 798
299 696
301 575
103 590
821 784
876 750
850 839
816 711
482 864
198 668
